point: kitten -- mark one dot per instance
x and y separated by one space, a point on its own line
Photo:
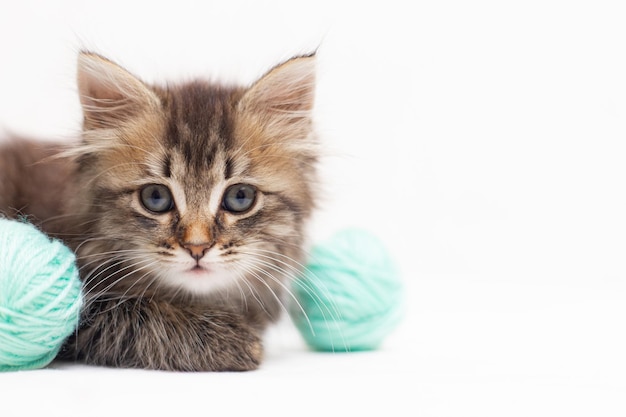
186 206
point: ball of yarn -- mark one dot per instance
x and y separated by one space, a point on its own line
350 296
40 296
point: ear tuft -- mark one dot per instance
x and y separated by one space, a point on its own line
109 94
287 88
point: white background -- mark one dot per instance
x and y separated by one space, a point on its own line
484 142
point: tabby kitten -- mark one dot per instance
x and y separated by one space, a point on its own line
186 207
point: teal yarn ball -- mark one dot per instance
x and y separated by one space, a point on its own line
350 295
40 296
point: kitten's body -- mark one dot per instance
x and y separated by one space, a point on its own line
189 286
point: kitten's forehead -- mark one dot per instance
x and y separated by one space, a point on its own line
198 140
200 123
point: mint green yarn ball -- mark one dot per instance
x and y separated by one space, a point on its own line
40 296
350 296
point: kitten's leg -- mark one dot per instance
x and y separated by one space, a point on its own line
140 333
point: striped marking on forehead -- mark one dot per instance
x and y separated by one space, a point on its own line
200 121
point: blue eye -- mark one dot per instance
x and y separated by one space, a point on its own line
157 198
239 198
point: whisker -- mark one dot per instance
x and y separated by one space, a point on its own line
287 289
332 310
112 276
114 283
124 296
299 273
253 292
252 272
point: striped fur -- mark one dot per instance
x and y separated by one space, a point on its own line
151 303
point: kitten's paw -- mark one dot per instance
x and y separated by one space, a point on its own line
232 345
158 335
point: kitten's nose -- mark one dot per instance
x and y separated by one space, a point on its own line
197 251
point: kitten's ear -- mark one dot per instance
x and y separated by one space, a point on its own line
109 94
286 90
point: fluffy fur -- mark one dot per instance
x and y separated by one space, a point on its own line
191 288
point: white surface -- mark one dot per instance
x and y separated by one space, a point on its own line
484 141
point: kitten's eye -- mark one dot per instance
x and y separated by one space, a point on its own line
239 198
157 198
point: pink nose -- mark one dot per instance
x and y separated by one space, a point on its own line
197 251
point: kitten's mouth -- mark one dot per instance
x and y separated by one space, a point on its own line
200 278
198 270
